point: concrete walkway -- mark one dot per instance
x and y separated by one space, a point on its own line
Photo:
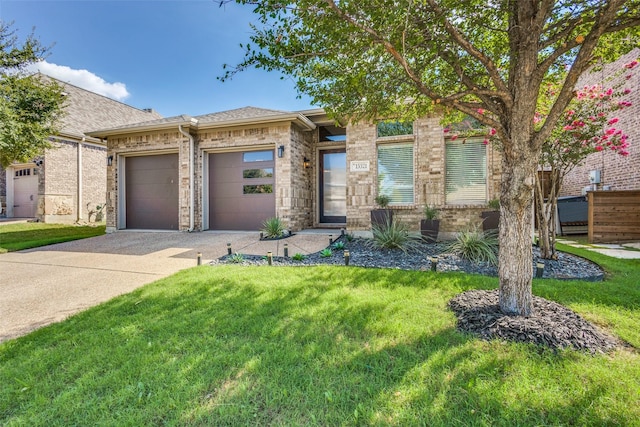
46 285
624 250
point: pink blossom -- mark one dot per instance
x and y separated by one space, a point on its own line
570 113
445 130
623 153
610 131
492 132
612 121
480 111
486 141
599 148
568 127
609 92
631 64
627 91
454 137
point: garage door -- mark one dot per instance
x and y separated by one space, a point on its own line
152 192
25 193
241 190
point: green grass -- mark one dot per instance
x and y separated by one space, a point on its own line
235 345
15 237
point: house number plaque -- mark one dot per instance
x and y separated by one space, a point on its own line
359 166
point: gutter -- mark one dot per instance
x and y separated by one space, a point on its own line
191 176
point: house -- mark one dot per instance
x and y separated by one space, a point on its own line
232 170
607 170
68 182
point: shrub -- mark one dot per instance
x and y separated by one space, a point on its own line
338 245
476 246
298 257
236 258
382 200
326 253
430 212
393 235
273 228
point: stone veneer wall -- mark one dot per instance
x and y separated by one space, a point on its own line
161 142
618 172
294 183
429 170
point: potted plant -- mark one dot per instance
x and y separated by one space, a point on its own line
491 218
430 225
383 215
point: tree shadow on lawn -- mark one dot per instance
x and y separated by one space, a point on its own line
325 347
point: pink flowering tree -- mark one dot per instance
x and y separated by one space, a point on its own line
589 125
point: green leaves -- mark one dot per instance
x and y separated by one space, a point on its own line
30 105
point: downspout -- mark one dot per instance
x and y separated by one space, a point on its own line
79 183
191 178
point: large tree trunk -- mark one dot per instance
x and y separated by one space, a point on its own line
515 258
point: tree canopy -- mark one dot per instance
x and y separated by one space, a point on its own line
485 59
30 107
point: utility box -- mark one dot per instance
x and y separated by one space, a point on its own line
594 176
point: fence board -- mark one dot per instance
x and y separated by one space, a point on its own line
614 216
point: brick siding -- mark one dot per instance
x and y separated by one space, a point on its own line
616 172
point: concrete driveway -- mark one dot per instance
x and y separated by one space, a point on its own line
48 284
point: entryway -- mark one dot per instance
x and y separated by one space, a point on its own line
333 186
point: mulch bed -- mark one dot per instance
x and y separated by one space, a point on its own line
551 324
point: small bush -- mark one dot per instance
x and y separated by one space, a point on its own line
338 245
476 246
382 200
298 257
326 253
273 228
236 258
393 235
431 212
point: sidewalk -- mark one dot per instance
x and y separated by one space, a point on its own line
623 250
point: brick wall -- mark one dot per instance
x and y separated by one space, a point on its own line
618 172
161 142
429 184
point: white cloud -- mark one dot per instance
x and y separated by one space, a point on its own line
84 79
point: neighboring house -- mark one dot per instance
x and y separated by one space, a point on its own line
607 170
68 182
232 170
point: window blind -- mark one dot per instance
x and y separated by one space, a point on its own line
466 172
395 173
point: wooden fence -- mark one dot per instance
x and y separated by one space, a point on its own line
614 216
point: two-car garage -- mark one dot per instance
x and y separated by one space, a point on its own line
240 190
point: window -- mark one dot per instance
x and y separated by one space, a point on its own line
395 173
258 173
466 172
257 156
394 128
257 189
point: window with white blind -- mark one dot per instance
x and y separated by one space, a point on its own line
395 173
466 172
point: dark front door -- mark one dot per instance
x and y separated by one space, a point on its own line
333 186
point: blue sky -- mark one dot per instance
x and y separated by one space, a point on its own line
158 54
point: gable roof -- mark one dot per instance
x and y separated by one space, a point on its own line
237 117
86 110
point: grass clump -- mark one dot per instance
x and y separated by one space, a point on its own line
273 228
236 258
476 246
392 235
16 237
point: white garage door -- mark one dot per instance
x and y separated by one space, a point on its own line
25 193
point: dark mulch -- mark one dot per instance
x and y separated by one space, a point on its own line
551 324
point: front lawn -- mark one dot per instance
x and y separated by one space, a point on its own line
235 345
16 237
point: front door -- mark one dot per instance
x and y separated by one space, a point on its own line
25 193
333 186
